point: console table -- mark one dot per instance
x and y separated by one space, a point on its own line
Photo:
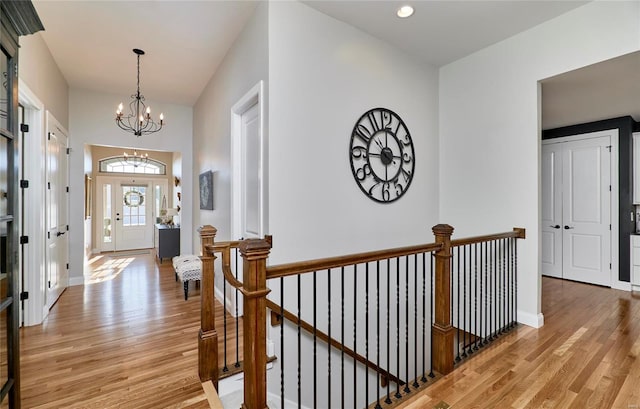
167 241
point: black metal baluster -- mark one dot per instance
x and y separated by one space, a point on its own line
501 287
506 285
415 320
424 314
282 342
457 250
329 335
398 395
510 306
481 315
515 282
237 364
378 330
487 288
388 399
355 332
508 243
495 289
491 303
475 297
366 334
315 347
464 302
299 348
342 335
406 324
470 312
431 374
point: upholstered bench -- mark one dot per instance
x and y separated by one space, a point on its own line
187 268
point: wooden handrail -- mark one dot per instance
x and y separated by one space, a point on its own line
518 233
284 270
291 317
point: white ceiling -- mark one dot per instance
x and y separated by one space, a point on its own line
184 41
91 41
605 90
440 32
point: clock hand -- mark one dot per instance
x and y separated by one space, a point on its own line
379 144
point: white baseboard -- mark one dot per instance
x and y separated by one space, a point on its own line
76 281
532 320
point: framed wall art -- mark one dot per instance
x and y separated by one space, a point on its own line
206 190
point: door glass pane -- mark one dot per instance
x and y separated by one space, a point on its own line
5 92
4 260
134 205
4 175
106 213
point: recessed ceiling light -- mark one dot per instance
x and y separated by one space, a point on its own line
405 11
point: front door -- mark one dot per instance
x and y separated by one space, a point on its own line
57 198
133 216
576 209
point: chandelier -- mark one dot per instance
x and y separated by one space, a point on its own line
139 120
135 159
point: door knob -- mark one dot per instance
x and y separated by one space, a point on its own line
557 226
117 218
567 227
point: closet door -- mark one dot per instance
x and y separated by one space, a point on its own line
551 210
576 210
586 208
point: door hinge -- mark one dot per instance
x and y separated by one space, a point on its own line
24 239
49 284
609 188
609 266
49 136
15 69
49 185
67 189
67 227
67 266
24 184
609 147
609 227
68 151
24 295
48 234
24 128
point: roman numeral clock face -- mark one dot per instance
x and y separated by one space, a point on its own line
381 155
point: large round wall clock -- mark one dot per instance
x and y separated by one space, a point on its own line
382 156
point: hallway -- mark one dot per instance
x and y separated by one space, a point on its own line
127 340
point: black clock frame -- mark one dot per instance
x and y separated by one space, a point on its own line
380 134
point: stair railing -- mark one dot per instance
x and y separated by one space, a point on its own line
450 297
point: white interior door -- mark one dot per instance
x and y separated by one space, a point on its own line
251 221
551 217
133 216
57 214
586 210
576 210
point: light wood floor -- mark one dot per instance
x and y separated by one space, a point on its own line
129 340
587 355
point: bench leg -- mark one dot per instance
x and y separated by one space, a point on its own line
186 290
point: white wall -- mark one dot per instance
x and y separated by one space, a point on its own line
245 64
43 77
323 76
92 123
490 126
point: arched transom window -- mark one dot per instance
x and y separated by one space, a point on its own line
123 164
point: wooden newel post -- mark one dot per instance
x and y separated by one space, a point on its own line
254 323
207 337
442 348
